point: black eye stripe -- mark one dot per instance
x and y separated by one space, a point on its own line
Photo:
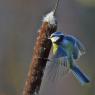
56 35
53 36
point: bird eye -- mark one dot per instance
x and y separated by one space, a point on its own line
53 35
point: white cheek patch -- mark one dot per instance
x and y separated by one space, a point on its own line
54 39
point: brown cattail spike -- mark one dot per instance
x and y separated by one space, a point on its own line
40 55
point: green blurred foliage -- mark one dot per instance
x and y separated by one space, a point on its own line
87 2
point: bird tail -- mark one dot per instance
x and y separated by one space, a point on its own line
80 75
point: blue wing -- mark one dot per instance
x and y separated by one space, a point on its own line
74 40
78 46
70 38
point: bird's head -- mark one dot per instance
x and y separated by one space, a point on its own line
56 37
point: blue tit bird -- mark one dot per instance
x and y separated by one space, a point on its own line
69 48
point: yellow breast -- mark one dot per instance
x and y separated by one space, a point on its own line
55 48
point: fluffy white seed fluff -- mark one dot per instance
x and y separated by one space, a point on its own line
50 18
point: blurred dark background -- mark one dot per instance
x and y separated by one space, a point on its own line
19 23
